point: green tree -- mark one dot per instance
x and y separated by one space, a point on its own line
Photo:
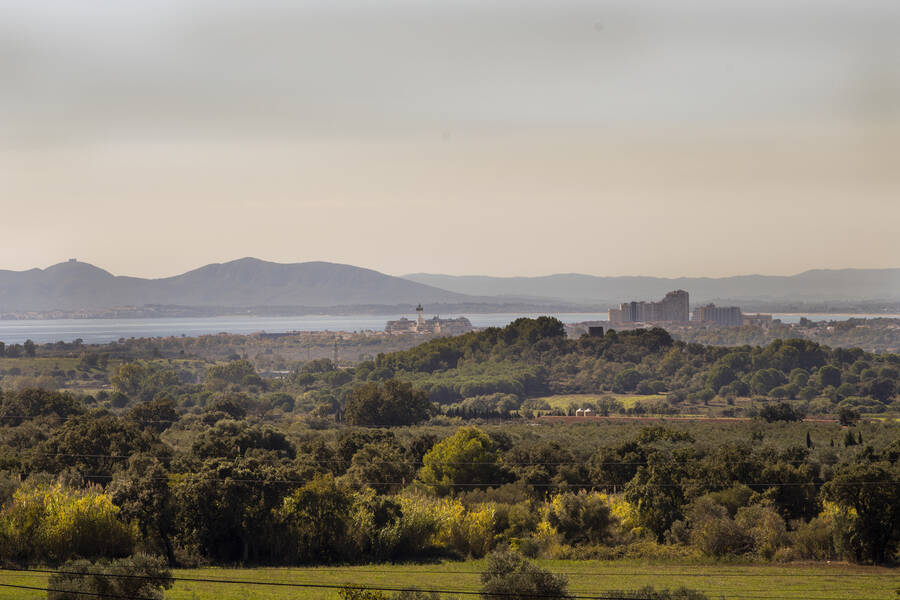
871 490
225 508
157 415
239 372
580 518
236 438
92 443
779 412
466 458
29 348
627 380
144 497
657 492
317 519
847 416
764 380
829 375
381 466
128 378
719 377
388 404
16 407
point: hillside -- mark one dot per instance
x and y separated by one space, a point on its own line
845 285
241 283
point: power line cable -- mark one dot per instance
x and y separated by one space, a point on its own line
57 590
369 587
355 569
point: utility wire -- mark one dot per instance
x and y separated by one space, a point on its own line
57 590
354 569
355 586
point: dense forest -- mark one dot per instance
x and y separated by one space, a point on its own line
439 451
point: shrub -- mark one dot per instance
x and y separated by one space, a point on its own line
444 522
510 575
765 526
815 540
780 412
53 523
581 517
145 577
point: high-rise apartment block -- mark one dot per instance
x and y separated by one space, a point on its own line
727 316
675 307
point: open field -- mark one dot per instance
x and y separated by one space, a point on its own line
562 401
731 581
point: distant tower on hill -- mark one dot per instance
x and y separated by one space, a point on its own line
420 320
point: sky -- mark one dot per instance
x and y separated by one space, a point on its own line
681 138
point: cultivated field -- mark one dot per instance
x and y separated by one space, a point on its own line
731 581
562 401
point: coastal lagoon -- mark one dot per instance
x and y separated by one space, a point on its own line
95 331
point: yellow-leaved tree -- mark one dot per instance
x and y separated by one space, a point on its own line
53 523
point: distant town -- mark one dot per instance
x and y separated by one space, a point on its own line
675 308
432 326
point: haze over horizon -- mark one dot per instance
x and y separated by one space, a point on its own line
463 138
411 273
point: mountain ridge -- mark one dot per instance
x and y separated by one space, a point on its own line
244 282
254 283
810 285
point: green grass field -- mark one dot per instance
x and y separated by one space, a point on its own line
731 581
563 401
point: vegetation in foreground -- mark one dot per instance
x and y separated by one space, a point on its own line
372 464
734 581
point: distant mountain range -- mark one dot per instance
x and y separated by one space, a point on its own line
836 286
251 283
247 282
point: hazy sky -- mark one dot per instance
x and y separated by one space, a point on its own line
470 137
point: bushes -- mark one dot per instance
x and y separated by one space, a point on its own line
145 577
582 517
51 523
780 412
431 522
757 529
508 574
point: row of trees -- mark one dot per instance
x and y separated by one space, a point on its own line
527 359
244 492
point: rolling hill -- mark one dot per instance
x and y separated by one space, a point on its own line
844 285
247 282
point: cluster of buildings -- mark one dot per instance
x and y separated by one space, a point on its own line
433 326
675 308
